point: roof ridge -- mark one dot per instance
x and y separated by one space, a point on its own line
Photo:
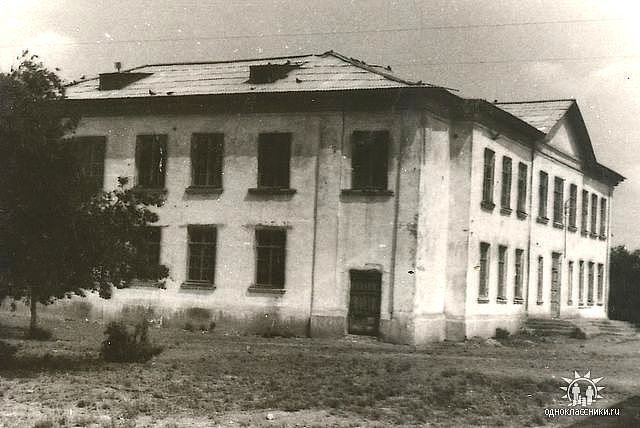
535 101
228 61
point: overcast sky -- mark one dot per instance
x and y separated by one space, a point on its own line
507 50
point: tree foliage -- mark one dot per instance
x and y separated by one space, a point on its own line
56 238
624 294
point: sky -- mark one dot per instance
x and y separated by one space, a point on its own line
506 50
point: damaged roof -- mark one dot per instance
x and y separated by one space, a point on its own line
324 72
542 115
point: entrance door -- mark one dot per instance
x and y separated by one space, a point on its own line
555 285
364 302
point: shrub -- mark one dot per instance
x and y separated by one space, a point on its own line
7 351
128 344
38 333
502 334
577 333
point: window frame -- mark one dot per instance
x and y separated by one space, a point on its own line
540 288
570 270
573 207
523 172
543 196
212 163
96 147
502 274
483 272
370 159
518 296
156 177
590 284
600 285
558 202
276 250
603 218
581 283
505 192
201 246
584 213
273 171
488 178
594 216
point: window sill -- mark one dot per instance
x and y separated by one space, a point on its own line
150 190
558 225
521 215
593 235
483 300
518 301
589 303
146 283
584 233
487 206
367 192
194 285
572 229
501 300
258 289
539 302
600 304
542 220
506 211
203 190
272 191
603 237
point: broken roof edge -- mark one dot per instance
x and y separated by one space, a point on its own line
535 101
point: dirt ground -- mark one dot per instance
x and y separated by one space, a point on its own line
209 379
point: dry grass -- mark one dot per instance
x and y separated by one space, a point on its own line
205 379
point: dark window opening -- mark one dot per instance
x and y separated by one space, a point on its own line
269 73
483 290
543 192
590 285
202 254
270 257
505 200
603 217
151 158
148 247
522 188
502 273
558 201
570 283
90 152
594 214
487 182
584 215
206 160
540 279
274 154
369 160
573 205
519 274
581 283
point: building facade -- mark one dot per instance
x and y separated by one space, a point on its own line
326 196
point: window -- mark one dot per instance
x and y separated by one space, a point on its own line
270 257
502 273
369 160
585 213
148 246
202 255
540 279
543 192
590 285
151 158
522 190
603 218
518 275
89 153
206 160
483 290
558 201
600 283
505 199
594 215
580 283
487 183
573 206
274 154
570 283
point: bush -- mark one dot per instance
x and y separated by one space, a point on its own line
128 344
39 333
7 351
577 333
502 334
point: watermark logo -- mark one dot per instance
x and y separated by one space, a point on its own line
582 390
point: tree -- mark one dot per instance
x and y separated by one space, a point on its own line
58 239
624 294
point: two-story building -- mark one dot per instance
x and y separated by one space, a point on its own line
331 196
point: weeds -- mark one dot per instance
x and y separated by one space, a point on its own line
501 334
38 333
126 345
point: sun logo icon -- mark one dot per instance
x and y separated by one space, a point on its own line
582 390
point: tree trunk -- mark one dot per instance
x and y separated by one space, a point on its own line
33 310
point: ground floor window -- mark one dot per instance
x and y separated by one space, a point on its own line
518 275
270 257
502 273
483 290
590 285
202 254
540 279
581 283
570 283
600 282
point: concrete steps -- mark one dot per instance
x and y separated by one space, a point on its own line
591 327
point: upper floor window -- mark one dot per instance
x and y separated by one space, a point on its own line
487 182
151 160
505 199
558 201
573 206
543 193
270 257
274 155
522 190
594 215
584 215
603 218
369 160
90 153
206 160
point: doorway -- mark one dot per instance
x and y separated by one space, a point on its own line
364 302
